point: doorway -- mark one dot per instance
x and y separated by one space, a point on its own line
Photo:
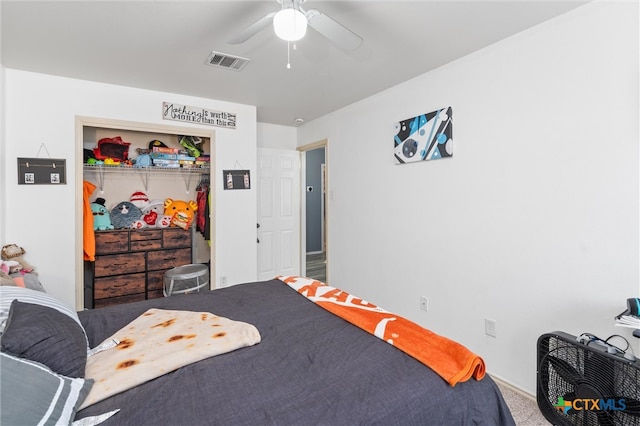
315 211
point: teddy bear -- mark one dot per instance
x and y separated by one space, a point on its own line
16 271
181 212
12 256
101 216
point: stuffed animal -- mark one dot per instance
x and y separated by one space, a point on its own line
5 279
13 252
139 199
124 214
181 212
163 221
151 213
144 158
101 216
16 271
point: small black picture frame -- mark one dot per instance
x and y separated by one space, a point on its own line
42 171
236 179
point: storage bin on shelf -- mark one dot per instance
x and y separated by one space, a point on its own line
186 279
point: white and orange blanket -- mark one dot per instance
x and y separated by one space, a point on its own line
449 359
158 342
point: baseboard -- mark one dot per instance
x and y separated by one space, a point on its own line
514 388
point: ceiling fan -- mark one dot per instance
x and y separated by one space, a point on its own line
290 23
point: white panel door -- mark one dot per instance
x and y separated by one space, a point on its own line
278 213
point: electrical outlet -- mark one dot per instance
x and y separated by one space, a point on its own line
490 327
223 281
424 303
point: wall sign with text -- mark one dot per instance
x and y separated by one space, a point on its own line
197 115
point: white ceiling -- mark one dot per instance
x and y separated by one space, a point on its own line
163 46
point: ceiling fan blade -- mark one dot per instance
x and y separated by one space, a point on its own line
252 29
338 34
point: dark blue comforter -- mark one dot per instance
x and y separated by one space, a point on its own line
311 368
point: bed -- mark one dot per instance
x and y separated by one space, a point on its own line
310 367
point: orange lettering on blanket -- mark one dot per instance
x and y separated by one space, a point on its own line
309 289
339 295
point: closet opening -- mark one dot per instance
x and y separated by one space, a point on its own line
159 206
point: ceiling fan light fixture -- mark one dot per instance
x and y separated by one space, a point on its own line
290 24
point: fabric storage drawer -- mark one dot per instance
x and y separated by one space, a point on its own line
128 254
167 259
111 301
119 264
146 245
154 284
146 234
148 239
112 242
119 285
176 237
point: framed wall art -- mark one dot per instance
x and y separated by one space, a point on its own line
425 137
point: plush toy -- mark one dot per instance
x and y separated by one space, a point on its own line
10 267
13 252
152 212
139 199
144 158
181 212
163 221
124 214
101 216
5 279
16 271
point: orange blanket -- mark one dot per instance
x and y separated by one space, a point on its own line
452 361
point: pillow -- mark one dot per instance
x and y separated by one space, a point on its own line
33 394
42 334
9 294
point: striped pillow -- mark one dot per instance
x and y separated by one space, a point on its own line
33 394
8 294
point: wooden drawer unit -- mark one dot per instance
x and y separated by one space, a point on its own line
130 264
126 263
119 285
155 283
112 242
176 237
101 303
167 259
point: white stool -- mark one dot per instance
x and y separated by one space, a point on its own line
185 279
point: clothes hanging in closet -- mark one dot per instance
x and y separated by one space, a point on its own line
202 214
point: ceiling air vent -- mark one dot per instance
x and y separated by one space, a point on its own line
223 60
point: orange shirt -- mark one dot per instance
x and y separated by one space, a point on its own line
89 238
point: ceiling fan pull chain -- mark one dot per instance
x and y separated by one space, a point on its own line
288 55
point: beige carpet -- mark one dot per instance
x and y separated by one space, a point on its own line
524 407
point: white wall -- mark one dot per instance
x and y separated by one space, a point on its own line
276 136
534 220
3 171
42 109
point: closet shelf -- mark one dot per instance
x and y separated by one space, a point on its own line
187 173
